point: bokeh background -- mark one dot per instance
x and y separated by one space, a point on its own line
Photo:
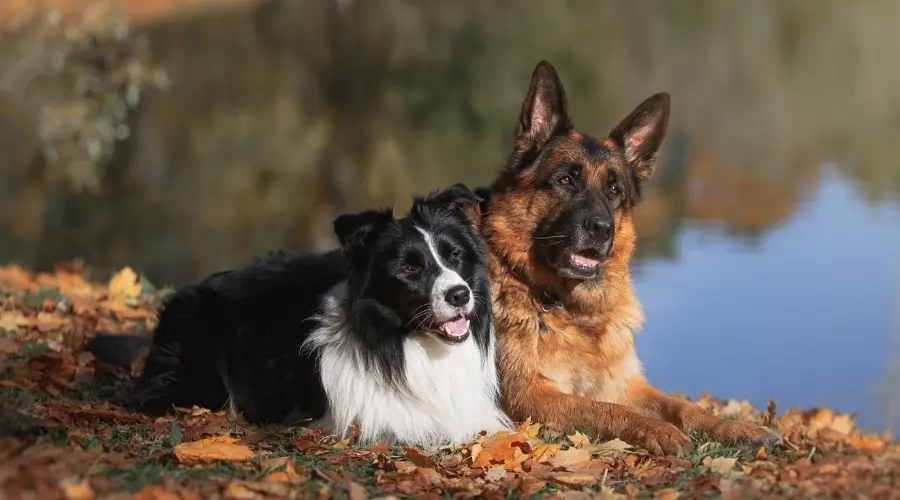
184 137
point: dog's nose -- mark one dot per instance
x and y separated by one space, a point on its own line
600 227
457 296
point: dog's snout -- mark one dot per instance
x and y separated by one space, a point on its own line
600 227
458 296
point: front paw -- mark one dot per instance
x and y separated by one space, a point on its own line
659 438
736 431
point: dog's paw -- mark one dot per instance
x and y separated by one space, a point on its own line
736 431
659 438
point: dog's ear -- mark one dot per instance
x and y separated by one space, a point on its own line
544 112
457 198
642 133
355 231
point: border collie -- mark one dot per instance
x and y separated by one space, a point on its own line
392 332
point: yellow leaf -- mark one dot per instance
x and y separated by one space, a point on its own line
495 473
11 321
721 465
124 286
544 452
529 429
611 448
77 491
214 449
665 494
571 456
579 440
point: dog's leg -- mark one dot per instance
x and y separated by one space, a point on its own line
546 404
690 417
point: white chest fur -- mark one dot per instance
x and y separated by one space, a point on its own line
450 397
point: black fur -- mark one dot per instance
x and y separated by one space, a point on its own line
250 323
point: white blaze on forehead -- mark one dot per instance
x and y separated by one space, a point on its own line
447 279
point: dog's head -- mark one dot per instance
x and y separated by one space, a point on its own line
422 273
561 209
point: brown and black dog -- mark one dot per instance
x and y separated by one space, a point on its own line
558 224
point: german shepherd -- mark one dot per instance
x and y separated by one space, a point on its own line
558 225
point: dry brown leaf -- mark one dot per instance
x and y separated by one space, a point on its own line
214 449
665 494
609 449
124 286
356 492
80 490
579 440
575 478
571 456
160 492
404 467
495 473
239 491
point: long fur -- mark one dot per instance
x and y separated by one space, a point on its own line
336 338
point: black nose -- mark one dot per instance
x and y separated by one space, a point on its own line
457 296
600 227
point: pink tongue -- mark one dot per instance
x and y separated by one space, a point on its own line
582 261
456 328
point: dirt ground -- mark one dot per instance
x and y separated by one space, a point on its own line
58 439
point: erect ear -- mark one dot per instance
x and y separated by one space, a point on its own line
642 133
355 231
544 112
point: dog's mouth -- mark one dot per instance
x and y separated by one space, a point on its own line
584 263
454 330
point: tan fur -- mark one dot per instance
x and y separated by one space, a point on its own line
576 366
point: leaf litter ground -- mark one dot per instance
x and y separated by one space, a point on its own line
59 439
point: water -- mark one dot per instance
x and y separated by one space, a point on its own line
806 316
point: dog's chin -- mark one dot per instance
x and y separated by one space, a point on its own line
453 331
581 265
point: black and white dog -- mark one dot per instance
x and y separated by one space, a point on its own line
393 332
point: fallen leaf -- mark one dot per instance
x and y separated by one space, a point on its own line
529 429
721 465
575 478
665 494
253 438
611 448
570 456
498 448
579 440
404 467
77 490
417 458
124 286
356 492
214 449
544 452
495 473
11 321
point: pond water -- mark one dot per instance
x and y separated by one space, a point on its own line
808 316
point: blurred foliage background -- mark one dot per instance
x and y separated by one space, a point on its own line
184 137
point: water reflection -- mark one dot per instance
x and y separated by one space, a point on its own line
806 315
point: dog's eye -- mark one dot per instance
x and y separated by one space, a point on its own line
565 180
407 270
455 254
615 190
